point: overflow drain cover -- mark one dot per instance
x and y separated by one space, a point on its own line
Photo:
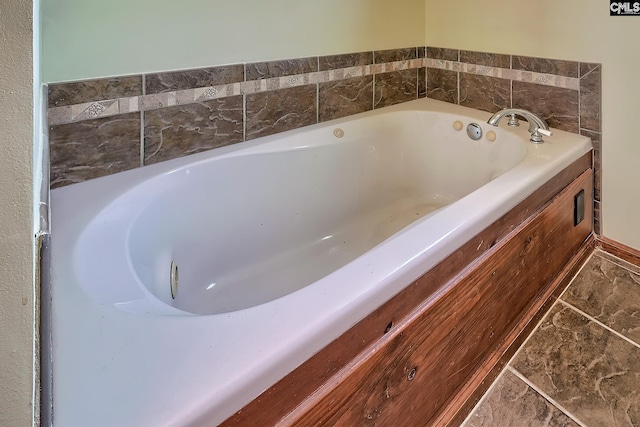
474 131
174 279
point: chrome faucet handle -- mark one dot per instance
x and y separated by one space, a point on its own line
537 125
536 135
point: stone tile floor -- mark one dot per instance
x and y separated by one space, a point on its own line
581 365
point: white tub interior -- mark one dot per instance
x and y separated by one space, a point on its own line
246 230
300 234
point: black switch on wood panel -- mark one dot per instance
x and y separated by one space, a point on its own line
578 208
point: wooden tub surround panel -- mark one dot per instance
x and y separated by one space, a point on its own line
411 375
423 356
472 391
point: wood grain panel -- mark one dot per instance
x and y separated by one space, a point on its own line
465 400
283 397
408 378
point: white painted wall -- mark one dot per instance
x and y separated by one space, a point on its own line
97 38
570 29
17 318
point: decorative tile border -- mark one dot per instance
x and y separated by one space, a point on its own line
506 73
112 107
105 108
568 94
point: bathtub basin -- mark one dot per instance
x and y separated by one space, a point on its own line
281 244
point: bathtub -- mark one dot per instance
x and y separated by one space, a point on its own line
183 290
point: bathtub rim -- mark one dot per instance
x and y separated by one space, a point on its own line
179 180
81 305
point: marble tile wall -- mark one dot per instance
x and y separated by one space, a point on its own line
189 111
567 94
94 148
280 110
187 129
168 115
581 366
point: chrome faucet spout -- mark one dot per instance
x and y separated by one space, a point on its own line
537 125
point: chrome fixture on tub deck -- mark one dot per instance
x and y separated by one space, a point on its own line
537 126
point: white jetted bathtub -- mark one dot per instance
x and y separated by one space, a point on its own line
183 290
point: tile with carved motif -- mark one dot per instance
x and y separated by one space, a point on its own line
422 82
392 55
194 78
178 131
94 148
590 100
345 97
285 67
280 110
442 53
334 62
546 66
442 85
62 94
485 58
484 93
395 87
558 106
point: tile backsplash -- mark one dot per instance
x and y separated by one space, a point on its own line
567 94
155 117
104 126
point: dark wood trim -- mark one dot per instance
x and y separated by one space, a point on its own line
619 250
409 377
458 409
307 382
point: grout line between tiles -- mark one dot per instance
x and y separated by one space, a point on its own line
483 398
458 84
523 345
589 72
546 396
596 321
542 318
575 275
508 365
223 89
144 92
618 261
244 117
373 100
592 131
141 138
511 93
511 81
579 100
